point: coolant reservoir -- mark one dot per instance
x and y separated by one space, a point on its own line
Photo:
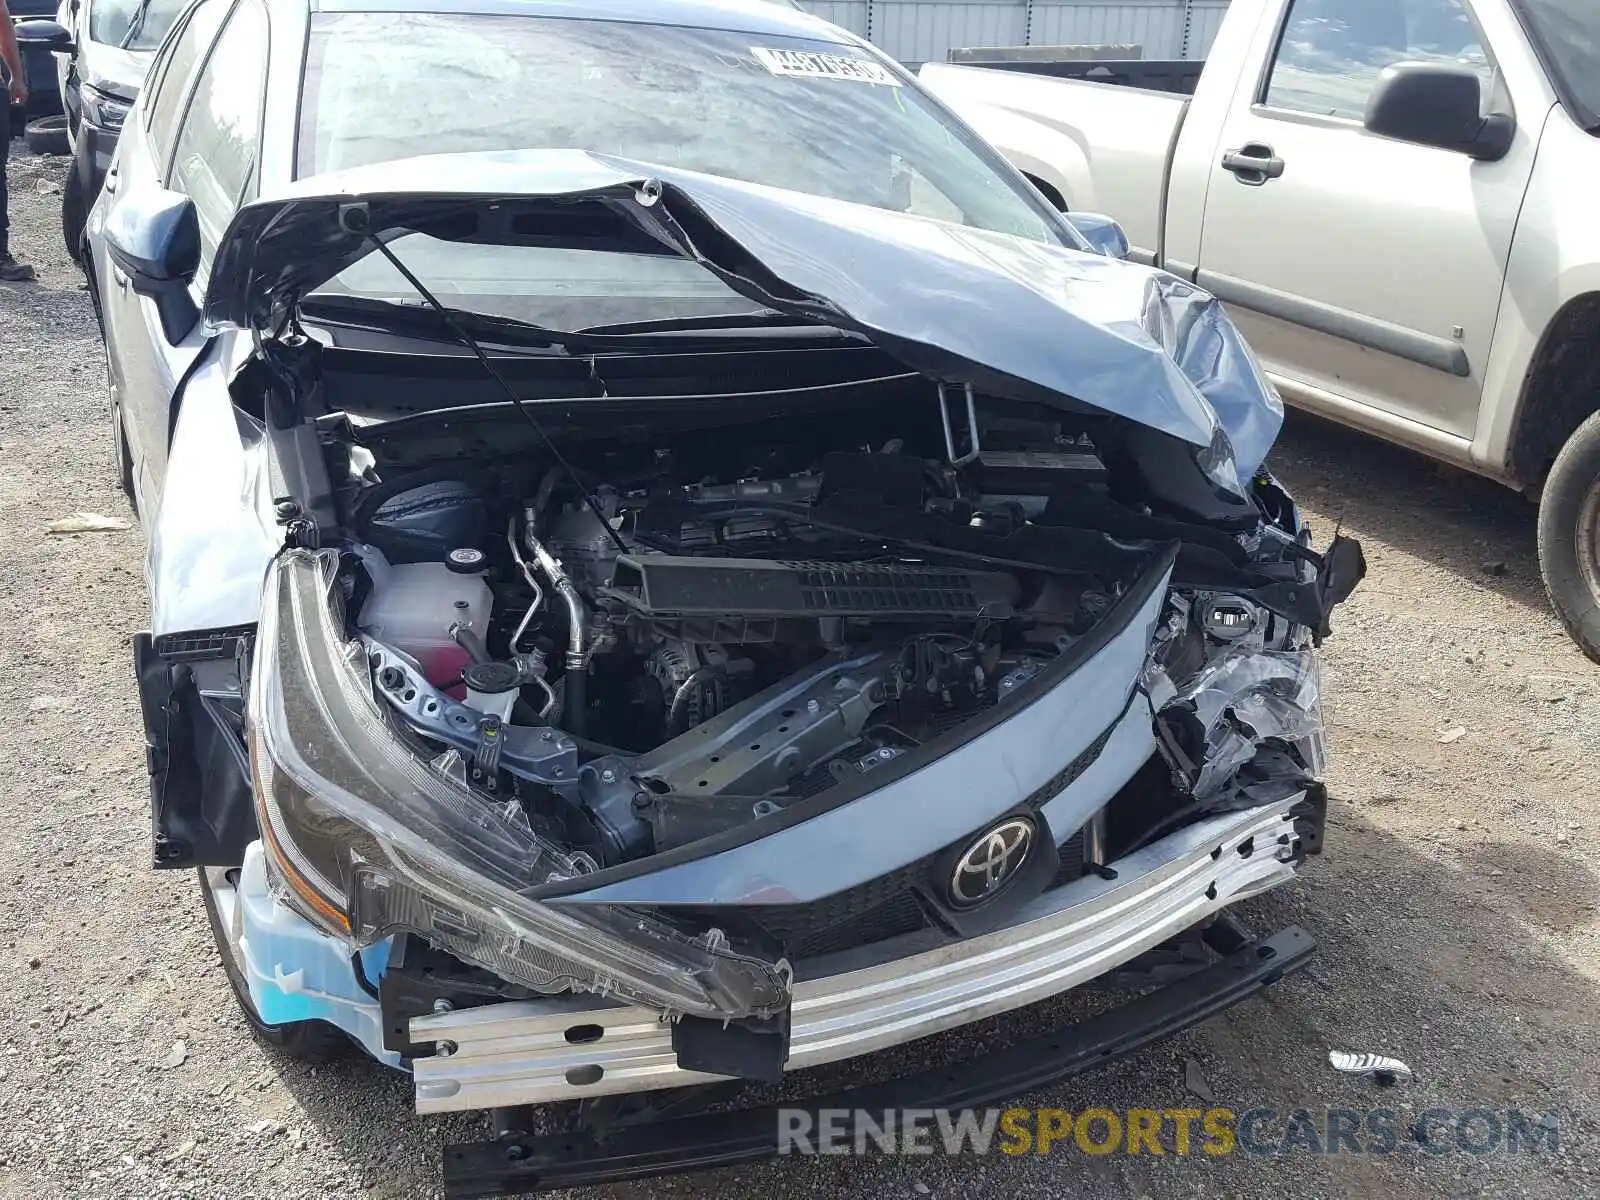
413 606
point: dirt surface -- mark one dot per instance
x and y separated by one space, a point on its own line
1455 907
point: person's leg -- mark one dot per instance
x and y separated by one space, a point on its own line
11 271
5 153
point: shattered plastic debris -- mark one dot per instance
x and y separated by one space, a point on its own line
1246 697
1383 1069
86 522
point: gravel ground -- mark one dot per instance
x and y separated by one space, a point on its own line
1455 907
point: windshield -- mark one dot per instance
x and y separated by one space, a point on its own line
110 21
803 115
1566 33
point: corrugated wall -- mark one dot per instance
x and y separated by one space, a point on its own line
851 14
918 31
1206 19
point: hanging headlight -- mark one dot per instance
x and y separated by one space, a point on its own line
365 839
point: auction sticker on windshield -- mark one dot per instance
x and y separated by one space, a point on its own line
813 64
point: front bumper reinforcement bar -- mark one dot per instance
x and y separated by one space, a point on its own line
702 1142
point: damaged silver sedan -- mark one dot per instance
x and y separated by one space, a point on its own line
640 616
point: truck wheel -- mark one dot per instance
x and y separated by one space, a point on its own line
308 1041
74 213
1569 536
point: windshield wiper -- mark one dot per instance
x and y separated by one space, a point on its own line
136 25
404 315
761 318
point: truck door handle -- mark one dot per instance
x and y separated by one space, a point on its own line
1253 164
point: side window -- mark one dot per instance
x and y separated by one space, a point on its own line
182 56
215 159
1333 51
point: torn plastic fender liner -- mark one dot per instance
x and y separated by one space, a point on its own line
200 808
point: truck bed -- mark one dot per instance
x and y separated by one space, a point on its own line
1176 76
1086 146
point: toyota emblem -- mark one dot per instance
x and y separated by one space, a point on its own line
991 861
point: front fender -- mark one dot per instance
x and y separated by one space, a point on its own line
215 531
1554 263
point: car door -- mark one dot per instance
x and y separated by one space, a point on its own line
68 17
1365 271
142 367
201 139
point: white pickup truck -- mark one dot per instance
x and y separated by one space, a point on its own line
1400 202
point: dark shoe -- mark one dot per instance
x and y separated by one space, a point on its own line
11 271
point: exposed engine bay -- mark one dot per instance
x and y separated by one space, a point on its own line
670 659
642 652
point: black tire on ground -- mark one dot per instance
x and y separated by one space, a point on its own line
308 1041
74 213
1569 536
47 135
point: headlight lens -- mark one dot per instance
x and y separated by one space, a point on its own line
365 839
106 111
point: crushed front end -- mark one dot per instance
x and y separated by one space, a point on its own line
715 709
750 773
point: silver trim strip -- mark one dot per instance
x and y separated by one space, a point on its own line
1440 353
520 1053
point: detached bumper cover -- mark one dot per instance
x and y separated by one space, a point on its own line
727 1139
521 1053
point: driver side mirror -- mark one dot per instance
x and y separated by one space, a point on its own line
1439 105
154 239
38 32
1104 234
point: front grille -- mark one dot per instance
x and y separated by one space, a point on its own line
1058 783
882 908
898 915
888 906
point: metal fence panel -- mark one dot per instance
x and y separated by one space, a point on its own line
917 31
1156 26
922 30
1203 25
847 14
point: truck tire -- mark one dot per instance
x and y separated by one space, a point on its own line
47 135
74 213
1569 536
307 1041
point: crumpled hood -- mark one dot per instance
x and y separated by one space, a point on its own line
1013 317
114 70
